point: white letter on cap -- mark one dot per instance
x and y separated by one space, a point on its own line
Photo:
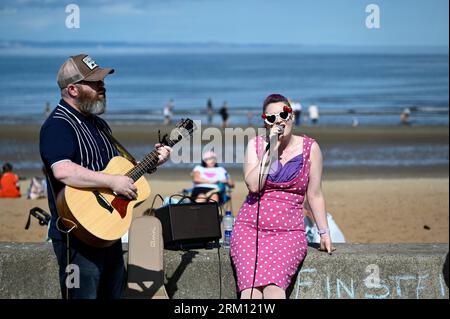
73 19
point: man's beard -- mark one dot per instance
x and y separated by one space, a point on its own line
91 105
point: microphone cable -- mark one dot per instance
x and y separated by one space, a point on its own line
257 216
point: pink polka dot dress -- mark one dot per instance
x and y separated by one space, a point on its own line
282 243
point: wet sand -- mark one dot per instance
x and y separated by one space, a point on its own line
140 133
20 143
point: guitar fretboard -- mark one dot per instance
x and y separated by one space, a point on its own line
149 162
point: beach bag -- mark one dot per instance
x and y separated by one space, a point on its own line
313 236
145 268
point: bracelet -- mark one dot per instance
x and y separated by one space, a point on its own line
323 231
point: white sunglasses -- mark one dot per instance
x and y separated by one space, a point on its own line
271 119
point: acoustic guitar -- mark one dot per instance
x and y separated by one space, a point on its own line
99 217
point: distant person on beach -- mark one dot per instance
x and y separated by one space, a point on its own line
405 117
168 112
281 171
297 108
209 111
74 147
250 117
9 182
47 110
38 187
313 111
210 176
224 113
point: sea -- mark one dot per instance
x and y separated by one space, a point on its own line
367 89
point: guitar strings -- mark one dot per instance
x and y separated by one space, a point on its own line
149 161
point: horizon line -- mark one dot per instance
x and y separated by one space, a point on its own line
218 43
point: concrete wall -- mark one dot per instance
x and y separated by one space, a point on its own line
354 271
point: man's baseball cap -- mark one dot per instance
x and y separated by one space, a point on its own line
81 67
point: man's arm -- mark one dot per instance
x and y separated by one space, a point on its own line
72 174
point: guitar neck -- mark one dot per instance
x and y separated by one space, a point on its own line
148 162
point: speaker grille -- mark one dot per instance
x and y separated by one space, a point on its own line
198 222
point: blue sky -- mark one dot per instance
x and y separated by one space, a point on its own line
312 22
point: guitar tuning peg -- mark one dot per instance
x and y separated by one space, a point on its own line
165 139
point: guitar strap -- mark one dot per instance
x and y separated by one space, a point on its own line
122 150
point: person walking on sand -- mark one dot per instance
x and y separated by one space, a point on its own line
281 170
209 111
297 108
313 111
168 112
74 147
405 117
47 110
249 118
224 113
9 182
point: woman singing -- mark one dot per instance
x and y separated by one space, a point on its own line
280 170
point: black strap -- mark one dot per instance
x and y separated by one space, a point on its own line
122 150
28 221
43 217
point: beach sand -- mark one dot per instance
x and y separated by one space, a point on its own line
370 204
370 210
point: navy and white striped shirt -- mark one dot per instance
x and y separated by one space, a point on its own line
67 134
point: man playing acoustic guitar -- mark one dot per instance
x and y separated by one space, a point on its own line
75 146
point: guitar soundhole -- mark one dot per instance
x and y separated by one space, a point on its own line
120 204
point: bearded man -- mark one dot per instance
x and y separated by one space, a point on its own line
74 147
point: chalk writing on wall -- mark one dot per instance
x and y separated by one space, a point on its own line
374 286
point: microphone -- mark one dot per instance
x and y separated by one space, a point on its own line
280 130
